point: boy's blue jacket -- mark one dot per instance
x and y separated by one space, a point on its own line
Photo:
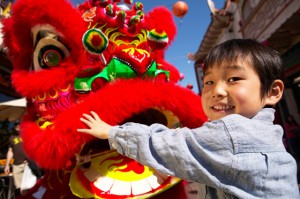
231 157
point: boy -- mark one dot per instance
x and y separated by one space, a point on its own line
239 153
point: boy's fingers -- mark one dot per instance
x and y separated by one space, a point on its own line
87 122
90 118
95 116
87 131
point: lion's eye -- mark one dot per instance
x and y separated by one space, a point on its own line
50 56
49 50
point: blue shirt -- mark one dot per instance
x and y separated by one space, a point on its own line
234 156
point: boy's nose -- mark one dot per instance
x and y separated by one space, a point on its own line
219 90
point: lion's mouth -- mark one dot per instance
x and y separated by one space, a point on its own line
116 176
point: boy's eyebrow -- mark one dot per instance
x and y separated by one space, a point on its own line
206 73
235 67
230 67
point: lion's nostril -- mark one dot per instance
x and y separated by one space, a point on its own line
98 83
162 77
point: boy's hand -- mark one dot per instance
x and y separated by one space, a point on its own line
98 128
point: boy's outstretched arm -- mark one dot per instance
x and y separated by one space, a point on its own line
97 127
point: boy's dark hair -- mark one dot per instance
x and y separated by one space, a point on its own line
266 62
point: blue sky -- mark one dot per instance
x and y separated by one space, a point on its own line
190 32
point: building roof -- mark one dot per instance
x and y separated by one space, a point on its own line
214 33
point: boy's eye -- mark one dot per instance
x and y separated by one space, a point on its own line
208 83
233 79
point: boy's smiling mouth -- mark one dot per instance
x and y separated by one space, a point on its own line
223 107
220 110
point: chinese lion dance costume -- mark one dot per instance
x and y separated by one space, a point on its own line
106 56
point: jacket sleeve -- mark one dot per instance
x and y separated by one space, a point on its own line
201 155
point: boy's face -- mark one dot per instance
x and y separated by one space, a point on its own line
230 89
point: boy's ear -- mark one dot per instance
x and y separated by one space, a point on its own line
275 93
